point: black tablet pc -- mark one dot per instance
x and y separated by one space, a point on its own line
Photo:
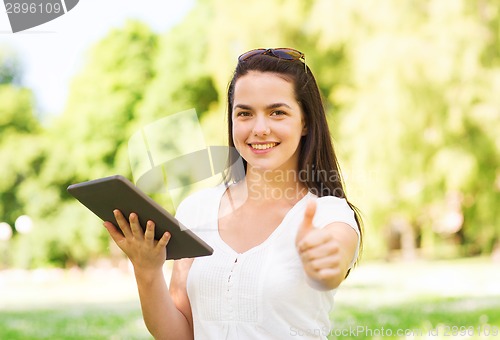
104 195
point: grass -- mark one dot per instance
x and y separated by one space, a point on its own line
454 299
119 321
422 299
443 318
55 304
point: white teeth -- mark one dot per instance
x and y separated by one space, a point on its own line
263 146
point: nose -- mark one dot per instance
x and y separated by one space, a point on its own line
261 126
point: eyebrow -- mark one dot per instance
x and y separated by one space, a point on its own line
271 106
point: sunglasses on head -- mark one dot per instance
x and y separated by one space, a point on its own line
280 53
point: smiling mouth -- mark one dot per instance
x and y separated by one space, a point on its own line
263 146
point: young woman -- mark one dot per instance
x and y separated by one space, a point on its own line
284 235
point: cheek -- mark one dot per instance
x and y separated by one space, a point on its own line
239 135
291 132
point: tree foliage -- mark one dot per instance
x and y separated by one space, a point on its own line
10 69
410 89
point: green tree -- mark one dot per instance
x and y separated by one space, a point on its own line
17 122
88 141
19 139
10 69
417 121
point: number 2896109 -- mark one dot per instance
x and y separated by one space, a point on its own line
33 8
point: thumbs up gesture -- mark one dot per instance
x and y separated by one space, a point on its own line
320 251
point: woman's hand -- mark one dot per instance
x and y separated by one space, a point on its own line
163 318
319 251
145 253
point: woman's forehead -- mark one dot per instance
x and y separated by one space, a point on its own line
263 86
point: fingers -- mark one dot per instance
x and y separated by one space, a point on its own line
319 251
122 223
132 227
113 231
309 214
149 234
163 241
307 222
313 239
138 244
327 273
135 226
320 255
322 262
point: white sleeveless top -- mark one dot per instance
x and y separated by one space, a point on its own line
264 292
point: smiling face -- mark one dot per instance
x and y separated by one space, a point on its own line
267 121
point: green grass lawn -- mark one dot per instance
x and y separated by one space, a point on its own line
445 318
116 321
456 299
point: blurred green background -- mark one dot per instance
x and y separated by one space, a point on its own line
411 89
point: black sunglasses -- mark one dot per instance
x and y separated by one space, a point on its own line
280 53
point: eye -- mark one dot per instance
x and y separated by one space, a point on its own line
243 114
278 113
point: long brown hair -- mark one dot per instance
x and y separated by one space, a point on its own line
317 157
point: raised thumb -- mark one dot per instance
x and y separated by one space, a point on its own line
307 222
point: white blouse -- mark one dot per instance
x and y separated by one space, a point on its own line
264 292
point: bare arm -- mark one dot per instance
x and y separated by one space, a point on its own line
178 289
165 316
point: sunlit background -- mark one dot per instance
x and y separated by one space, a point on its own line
412 95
